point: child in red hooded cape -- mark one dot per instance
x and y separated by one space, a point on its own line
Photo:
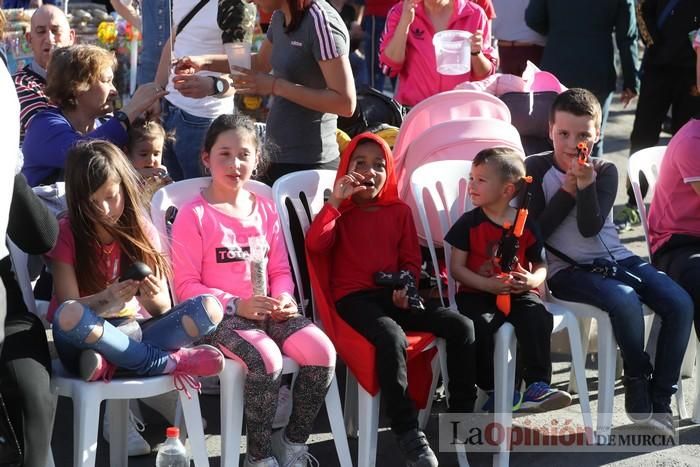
362 230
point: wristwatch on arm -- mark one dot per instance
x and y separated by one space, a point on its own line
220 86
123 118
232 306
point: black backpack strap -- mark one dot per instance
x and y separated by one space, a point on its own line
190 15
563 256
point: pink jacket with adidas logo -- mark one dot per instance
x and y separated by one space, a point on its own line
418 76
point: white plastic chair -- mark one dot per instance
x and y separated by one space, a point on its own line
310 186
312 183
88 396
232 379
86 413
648 161
607 346
443 185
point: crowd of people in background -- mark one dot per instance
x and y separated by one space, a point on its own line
61 133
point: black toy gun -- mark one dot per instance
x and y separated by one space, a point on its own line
398 281
506 254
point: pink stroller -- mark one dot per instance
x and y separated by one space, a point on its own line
455 125
445 107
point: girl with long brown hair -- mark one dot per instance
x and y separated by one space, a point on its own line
106 231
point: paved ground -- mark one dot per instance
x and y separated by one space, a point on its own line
322 447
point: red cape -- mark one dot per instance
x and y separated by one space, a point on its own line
354 349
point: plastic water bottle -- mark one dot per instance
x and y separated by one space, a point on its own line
172 452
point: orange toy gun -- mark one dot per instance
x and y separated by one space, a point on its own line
508 246
582 152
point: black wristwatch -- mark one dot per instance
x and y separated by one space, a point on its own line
219 86
123 118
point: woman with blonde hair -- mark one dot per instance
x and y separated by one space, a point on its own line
79 85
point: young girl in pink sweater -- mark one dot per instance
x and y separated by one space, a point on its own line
228 242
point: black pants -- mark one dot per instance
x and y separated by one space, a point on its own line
533 329
680 259
373 314
661 87
25 374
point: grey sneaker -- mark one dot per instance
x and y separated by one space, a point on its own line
416 449
267 462
663 423
290 454
136 445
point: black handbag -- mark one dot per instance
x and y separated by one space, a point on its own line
10 450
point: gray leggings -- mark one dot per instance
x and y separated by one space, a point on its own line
257 346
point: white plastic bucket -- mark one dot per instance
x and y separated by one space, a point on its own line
452 52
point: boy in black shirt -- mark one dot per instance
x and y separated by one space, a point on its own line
497 176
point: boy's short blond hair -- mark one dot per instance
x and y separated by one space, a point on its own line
508 163
577 101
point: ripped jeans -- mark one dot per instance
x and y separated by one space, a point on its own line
148 356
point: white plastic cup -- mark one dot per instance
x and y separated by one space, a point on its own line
452 52
238 54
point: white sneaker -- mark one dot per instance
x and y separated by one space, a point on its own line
284 407
290 454
136 445
267 462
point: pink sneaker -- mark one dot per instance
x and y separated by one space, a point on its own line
94 366
202 360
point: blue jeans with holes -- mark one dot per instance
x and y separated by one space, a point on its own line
668 300
161 336
182 158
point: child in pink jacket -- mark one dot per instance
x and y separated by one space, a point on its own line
228 242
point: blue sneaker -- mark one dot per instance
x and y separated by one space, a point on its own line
540 397
490 402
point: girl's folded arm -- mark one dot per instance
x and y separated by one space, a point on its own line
65 285
187 253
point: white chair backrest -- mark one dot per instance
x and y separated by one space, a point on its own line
306 191
177 195
440 191
648 162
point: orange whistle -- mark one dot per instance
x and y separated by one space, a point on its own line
582 152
